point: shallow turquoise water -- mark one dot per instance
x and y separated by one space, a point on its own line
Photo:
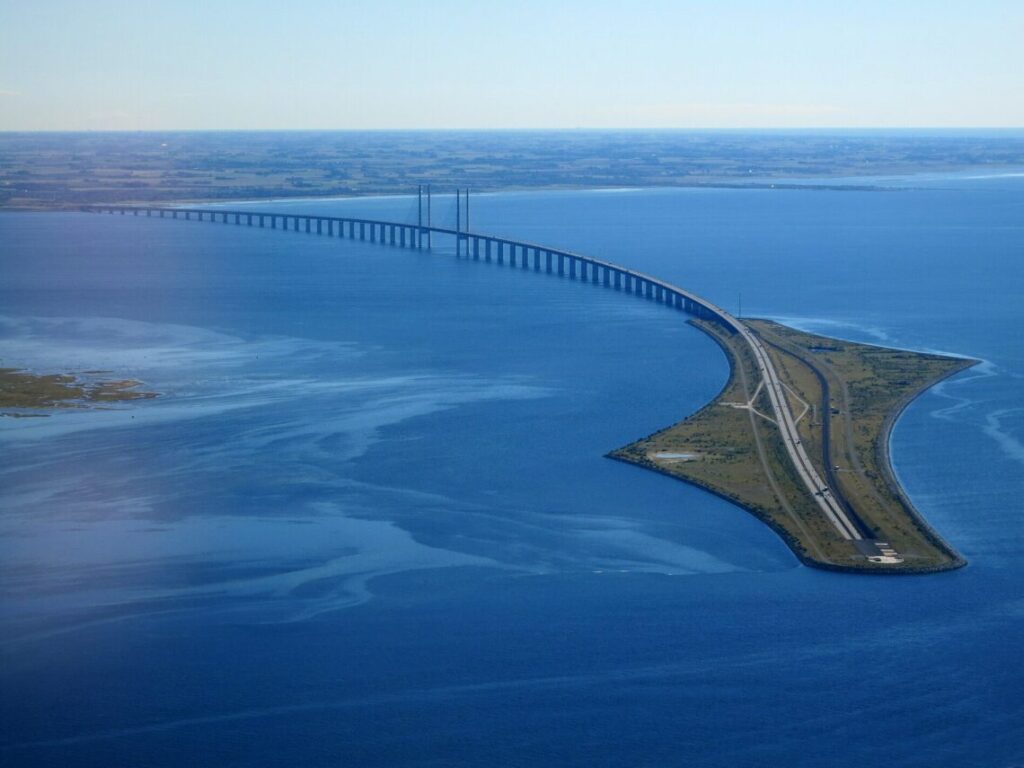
369 520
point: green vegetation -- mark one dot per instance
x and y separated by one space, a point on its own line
48 170
849 396
19 389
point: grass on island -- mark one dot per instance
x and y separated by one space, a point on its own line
20 389
849 392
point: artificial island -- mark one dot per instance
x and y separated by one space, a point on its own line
799 436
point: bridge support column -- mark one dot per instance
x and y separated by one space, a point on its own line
607 277
547 262
583 270
161 214
362 231
618 280
501 252
476 249
149 212
561 265
487 249
572 268
273 222
401 236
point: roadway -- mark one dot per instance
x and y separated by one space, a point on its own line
816 487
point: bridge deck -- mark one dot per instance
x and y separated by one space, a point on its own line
836 510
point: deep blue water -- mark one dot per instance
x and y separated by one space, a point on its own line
368 522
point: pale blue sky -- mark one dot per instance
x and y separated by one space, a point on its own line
108 64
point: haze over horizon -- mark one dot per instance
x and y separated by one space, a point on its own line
394 64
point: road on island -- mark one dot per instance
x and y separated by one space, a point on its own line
816 487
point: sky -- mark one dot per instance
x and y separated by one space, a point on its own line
400 64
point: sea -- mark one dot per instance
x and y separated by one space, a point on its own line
369 520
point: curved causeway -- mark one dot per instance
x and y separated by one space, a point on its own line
766 370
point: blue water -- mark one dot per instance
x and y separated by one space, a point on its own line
368 521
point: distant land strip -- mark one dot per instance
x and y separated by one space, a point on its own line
60 170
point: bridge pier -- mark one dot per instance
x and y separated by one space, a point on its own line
362 230
501 253
547 262
487 249
561 265
476 249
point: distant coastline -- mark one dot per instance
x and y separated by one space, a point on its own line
64 170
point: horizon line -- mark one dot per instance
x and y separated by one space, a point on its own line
541 129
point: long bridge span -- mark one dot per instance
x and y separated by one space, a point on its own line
540 258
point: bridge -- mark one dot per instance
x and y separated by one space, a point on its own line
523 255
